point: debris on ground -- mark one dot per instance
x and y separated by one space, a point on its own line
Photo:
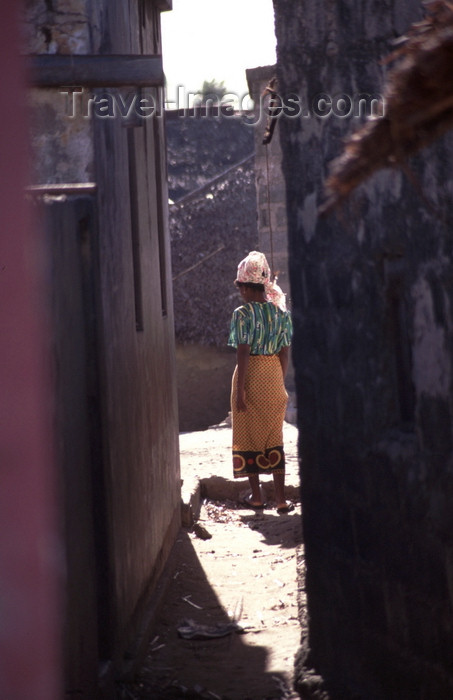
248 573
243 579
201 532
189 629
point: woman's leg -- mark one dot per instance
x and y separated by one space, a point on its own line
279 487
254 481
282 504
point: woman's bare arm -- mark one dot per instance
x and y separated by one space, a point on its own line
283 356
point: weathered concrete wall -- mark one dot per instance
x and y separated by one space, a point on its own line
269 180
61 141
69 237
204 377
372 299
124 473
140 417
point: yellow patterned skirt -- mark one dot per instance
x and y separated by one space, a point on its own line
258 431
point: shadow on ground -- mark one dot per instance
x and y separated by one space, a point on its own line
180 668
250 566
247 569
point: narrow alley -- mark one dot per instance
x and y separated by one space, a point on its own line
232 607
131 568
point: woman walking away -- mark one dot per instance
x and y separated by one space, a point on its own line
261 331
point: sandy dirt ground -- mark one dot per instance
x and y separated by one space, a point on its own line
235 582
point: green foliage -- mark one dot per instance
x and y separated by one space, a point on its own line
212 90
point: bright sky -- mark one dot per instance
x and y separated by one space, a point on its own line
216 40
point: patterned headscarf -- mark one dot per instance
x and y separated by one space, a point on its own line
255 269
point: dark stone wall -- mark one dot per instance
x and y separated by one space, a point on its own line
212 229
372 298
211 232
201 147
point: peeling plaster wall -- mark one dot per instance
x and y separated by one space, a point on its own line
61 134
60 26
372 298
62 145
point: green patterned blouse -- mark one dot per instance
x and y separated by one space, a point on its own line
261 325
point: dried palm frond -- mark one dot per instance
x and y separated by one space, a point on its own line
418 105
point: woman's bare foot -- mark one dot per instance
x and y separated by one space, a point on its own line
254 505
284 507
